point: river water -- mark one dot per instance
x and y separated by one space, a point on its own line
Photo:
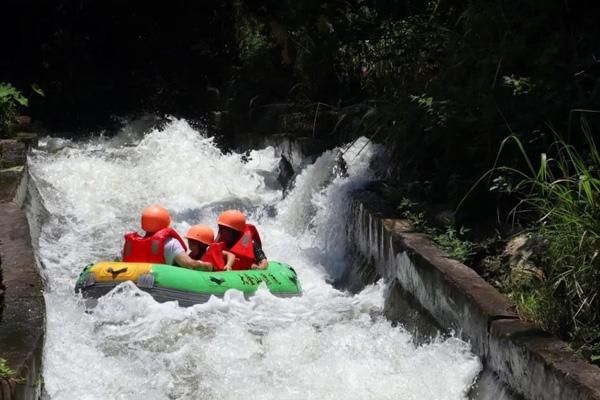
326 344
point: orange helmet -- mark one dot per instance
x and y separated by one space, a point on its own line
155 218
233 219
202 233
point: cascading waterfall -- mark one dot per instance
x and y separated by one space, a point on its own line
326 344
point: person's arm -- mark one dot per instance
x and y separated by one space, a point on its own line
185 261
261 259
175 254
262 264
230 260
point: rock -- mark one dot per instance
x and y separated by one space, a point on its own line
285 172
524 252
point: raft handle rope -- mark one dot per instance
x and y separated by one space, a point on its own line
116 272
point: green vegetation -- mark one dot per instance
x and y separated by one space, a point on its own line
449 238
560 195
452 241
5 370
10 98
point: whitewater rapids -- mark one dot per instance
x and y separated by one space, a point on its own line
326 344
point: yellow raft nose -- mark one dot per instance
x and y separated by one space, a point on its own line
109 271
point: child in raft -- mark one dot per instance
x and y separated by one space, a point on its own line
201 241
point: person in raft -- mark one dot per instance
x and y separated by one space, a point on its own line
201 241
242 240
161 244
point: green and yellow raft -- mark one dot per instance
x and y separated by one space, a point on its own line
188 287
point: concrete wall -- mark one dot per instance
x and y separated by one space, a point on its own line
531 362
23 317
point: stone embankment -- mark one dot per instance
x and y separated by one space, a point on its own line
22 309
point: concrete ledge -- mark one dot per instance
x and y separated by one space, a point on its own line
23 319
547 365
22 323
531 362
10 179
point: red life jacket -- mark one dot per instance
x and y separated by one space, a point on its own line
214 255
243 250
149 249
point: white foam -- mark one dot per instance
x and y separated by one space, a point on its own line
323 345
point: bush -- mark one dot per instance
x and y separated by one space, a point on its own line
10 98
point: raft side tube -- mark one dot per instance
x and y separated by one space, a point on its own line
188 287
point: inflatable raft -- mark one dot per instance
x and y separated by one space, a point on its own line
188 287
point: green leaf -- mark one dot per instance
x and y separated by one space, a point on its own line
8 94
37 89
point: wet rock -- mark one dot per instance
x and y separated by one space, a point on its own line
285 172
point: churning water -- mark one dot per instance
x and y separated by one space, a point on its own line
326 344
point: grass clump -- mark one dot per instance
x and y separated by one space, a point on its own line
451 240
560 197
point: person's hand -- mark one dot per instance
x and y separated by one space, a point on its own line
254 266
227 268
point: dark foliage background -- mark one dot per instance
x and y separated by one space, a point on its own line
94 59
